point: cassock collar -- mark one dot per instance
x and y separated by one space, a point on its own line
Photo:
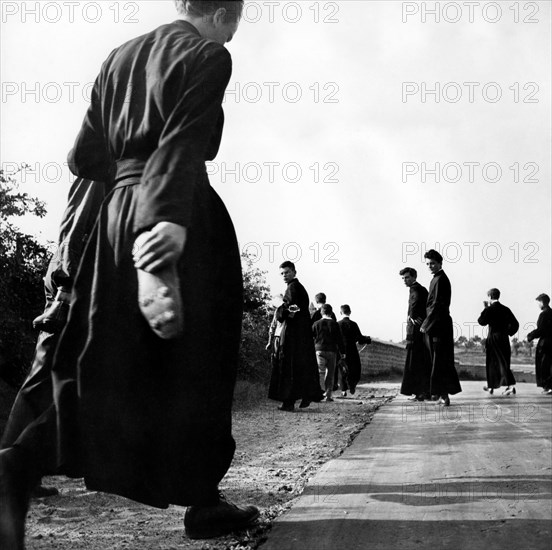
187 25
293 280
440 272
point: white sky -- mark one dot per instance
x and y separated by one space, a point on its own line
367 220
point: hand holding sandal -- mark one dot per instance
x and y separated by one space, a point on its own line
156 253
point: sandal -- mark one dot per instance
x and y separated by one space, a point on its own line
160 301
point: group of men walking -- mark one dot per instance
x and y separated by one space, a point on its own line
429 372
310 352
314 355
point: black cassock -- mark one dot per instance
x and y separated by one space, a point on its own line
543 353
352 335
502 324
138 416
417 367
295 374
439 337
32 421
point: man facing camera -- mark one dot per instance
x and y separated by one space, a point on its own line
417 368
295 374
439 336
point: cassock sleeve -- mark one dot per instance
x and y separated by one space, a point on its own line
171 172
418 307
361 338
83 206
437 310
539 331
513 324
90 157
341 340
290 298
483 318
355 333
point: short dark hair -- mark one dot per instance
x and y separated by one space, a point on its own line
493 294
202 8
408 271
289 264
434 255
320 298
345 309
544 298
326 309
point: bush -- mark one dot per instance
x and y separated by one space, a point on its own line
254 364
23 262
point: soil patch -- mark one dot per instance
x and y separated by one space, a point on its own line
277 453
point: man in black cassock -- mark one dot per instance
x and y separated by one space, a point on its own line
543 353
417 368
438 331
502 324
352 336
295 375
32 422
139 416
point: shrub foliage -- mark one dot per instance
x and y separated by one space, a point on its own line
23 262
257 314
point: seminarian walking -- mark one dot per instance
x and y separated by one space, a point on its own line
543 354
502 324
352 336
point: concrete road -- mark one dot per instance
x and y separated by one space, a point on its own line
475 475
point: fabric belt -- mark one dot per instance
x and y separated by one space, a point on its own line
127 172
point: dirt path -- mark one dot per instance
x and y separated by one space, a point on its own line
276 455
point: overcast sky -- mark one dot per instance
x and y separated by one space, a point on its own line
337 116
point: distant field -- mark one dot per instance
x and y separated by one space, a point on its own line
477 357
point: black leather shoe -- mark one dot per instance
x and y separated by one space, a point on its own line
54 318
319 397
286 408
304 404
206 522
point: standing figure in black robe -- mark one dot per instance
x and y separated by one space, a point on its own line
137 415
502 324
295 374
417 368
439 335
352 336
31 424
543 353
